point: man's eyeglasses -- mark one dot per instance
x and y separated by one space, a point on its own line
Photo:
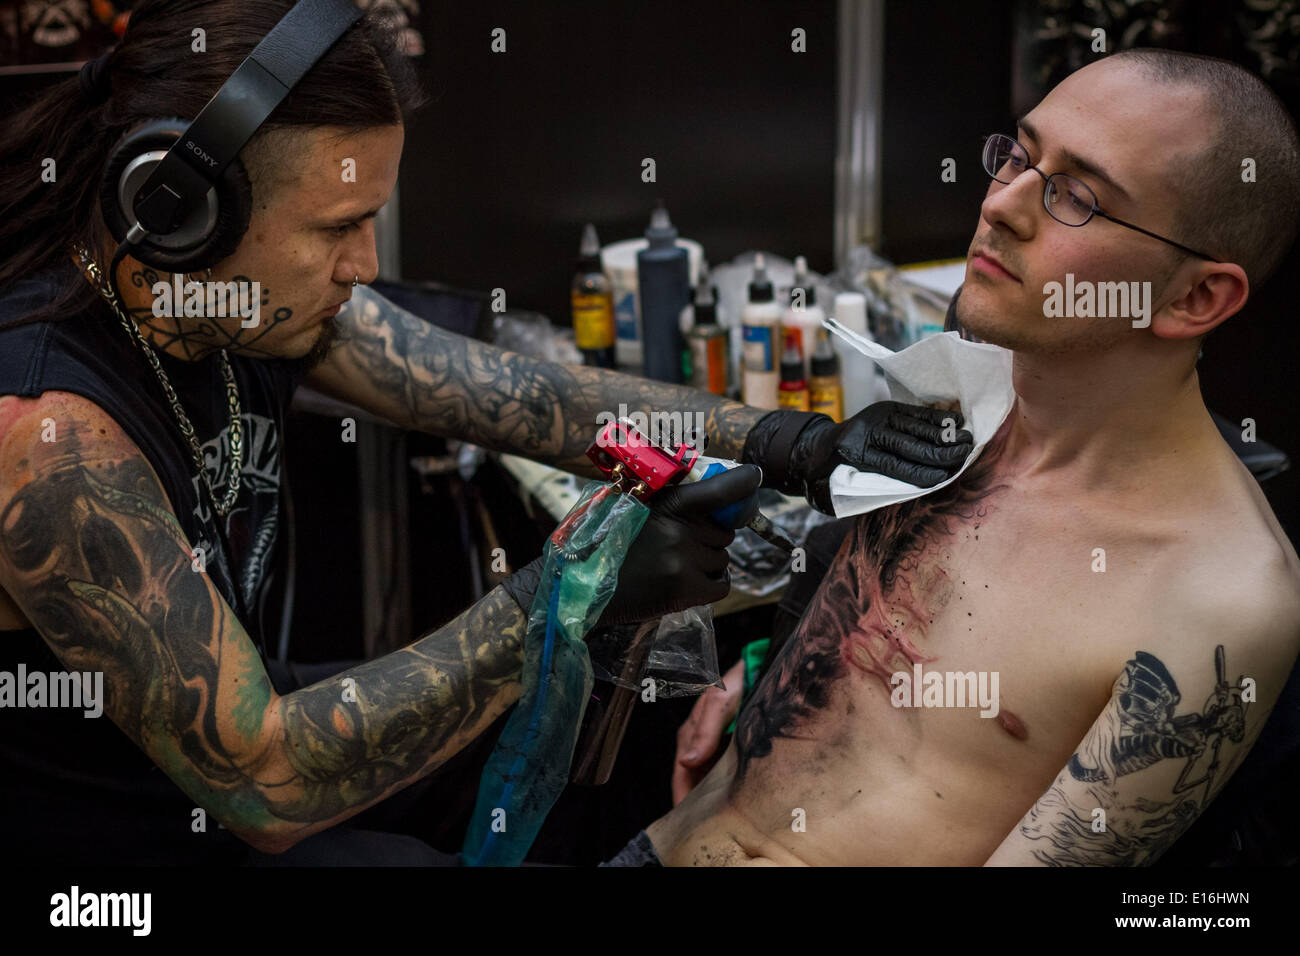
1067 200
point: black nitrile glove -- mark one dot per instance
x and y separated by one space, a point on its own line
523 584
798 450
679 558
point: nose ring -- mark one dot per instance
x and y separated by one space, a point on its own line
356 280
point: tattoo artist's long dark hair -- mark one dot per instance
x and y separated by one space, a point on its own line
363 81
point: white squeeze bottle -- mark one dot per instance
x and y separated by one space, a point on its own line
857 372
804 317
761 337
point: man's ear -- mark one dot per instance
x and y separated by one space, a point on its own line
1213 293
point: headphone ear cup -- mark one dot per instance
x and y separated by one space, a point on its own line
208 234
234 208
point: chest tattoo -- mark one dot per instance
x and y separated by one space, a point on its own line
883 591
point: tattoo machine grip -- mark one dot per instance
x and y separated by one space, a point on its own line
623 453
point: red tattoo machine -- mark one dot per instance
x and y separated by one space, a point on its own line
629 458
637 466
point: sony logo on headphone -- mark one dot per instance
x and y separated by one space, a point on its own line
189 144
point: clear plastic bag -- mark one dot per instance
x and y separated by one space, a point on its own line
531 333
682 660
683 656
529 765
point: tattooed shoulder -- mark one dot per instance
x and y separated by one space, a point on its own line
93 554
1153 760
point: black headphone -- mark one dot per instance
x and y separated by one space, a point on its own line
175 194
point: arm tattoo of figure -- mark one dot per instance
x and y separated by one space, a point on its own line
433 380
104 571
1138 729
407 712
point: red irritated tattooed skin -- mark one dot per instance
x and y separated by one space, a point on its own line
880 596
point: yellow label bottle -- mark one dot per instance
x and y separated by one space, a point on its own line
826 395
593 320
592 299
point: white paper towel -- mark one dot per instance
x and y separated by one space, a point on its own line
940 368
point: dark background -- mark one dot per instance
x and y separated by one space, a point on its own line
521 148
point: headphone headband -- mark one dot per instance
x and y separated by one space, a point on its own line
199 158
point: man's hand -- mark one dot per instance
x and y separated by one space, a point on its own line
913 443
679 559
699 738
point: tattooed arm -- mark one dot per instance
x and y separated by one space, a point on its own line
402 368
1154 760
92 553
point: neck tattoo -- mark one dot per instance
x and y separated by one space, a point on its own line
227 502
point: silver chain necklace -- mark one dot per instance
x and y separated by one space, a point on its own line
223 506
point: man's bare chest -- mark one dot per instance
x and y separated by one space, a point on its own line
997 638
983 627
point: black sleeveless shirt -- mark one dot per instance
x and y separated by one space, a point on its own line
74 789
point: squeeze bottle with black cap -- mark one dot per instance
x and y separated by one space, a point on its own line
709 358
761 330
794 386
804 317
592 299
664 289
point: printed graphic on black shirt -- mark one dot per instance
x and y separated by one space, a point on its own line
251 547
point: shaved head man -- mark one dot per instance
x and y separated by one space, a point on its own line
1094 622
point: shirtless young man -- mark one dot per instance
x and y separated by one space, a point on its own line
1121 692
